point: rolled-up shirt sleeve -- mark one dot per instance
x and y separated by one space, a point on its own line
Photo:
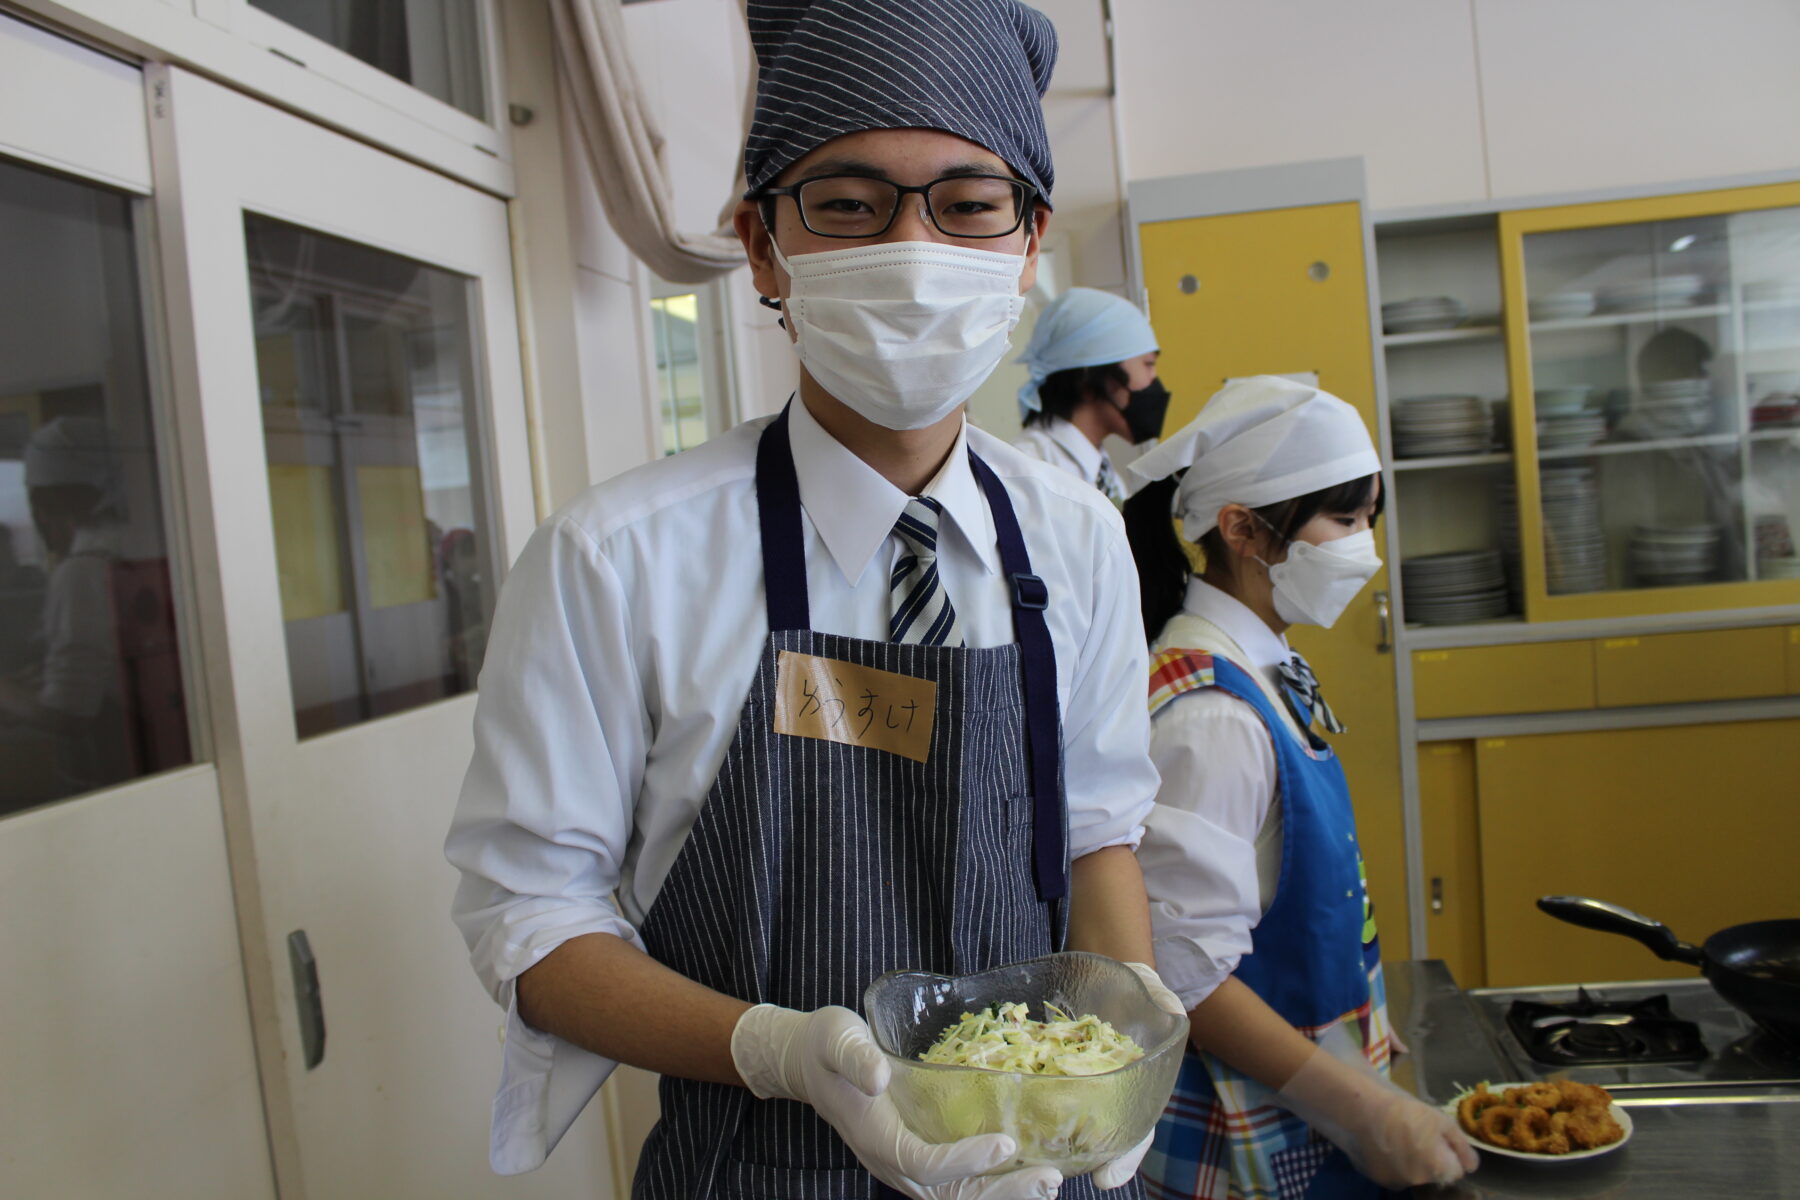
545 814
1106 727
1199 850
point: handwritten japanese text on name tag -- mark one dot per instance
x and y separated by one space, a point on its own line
837 701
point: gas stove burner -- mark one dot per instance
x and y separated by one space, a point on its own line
1592 1030
1768 1054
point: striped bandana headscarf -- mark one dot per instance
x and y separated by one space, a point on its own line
974 68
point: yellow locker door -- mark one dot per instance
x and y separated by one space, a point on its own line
1450 830
1691 825
1275 292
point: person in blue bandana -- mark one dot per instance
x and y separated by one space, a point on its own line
1092 374
1257 894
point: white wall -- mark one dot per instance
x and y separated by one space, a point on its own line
1452 101
1604 93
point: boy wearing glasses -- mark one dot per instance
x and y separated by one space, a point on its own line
854 689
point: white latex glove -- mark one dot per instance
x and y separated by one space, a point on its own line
1166 1000
1121 1170
827 1059
1392 1137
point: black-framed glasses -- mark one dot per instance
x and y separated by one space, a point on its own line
859 206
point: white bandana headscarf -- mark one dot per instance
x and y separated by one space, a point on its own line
1258 441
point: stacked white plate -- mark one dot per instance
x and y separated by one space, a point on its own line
1451 589
1773 291
1561 402
1571 432
1574 543
1670 409
1778 568
1760 384
1666 291
1425 313
1561 306
1670 555
1427 426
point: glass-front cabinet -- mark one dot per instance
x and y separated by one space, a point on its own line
1594 410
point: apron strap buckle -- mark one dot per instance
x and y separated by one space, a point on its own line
1030 591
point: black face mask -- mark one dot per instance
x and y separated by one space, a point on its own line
1145 410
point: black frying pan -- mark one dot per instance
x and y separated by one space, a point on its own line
1755 966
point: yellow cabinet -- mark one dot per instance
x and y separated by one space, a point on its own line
1793 659
1691 825
1684 668
1480 681
1451 827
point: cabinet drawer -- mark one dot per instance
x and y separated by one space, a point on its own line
1680 668
1494 680
1793 659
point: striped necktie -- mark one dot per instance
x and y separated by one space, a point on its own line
1302 694
921 607
1107 480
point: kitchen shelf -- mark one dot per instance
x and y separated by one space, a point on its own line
1651 316
1710 439
1445 461
1462 333
1790 434
1771 305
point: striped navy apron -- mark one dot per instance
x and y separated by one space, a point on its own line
816 866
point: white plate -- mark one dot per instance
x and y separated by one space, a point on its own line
1424 324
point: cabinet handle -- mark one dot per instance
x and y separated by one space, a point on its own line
308 999
1437 894
1384 617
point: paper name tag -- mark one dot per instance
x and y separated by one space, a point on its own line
836 701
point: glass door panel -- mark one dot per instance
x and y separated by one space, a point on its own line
91 687
434 45
1653 369
370 407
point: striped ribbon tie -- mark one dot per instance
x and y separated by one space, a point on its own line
1302 695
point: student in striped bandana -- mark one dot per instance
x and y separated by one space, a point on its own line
662 864
1258 899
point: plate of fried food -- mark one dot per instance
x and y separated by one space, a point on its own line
1549 1121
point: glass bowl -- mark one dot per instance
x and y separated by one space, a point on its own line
1072 1123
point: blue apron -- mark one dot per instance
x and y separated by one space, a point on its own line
1316 961
815 866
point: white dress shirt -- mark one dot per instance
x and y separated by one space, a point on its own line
625 641
1211 852
81 641
1057 442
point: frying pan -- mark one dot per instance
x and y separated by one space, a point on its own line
1755 966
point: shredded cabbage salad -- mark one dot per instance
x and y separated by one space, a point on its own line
1004 1037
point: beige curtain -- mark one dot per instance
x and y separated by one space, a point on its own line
625 148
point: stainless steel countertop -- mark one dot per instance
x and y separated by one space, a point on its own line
1710 1145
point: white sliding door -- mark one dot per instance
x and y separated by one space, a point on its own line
126 1066
348 343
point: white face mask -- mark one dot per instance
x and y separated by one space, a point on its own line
905 332
1315 584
